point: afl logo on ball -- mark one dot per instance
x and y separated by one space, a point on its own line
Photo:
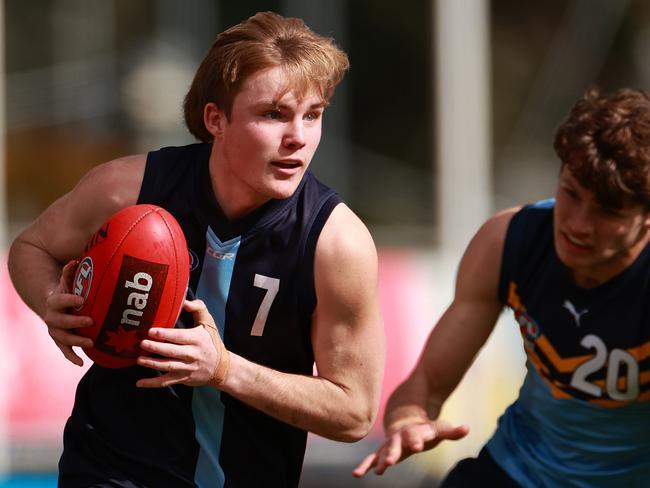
194 260
83 279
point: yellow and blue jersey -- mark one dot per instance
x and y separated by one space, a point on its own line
581 417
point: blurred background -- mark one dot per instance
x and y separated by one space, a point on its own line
447 114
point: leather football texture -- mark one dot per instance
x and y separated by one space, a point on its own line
133 275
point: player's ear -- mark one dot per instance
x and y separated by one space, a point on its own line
214 119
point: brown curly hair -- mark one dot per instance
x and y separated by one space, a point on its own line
263 41
605 143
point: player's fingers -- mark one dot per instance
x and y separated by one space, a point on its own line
162 381
364 466
70 355
63 301
195 306
175 336
415 437
199 312
172 366
389 454
57 320
393 449
449 432
67 274
414 443
169 351
149 382
65 338
383 463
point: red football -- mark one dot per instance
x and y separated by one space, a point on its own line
133 275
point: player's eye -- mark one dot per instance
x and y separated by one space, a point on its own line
311 116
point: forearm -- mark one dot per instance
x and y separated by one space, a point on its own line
311 403
445 358
34 274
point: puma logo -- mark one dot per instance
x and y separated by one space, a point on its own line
575 313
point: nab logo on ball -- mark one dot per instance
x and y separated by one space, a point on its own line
135 301
83 279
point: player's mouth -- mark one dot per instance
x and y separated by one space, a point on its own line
574 244
287 166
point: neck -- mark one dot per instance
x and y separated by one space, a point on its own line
234 196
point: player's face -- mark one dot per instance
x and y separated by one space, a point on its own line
594 242
270 138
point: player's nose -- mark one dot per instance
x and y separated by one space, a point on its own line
294 136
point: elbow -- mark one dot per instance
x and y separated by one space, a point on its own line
11 259
357 433
18 256
360 416
356 427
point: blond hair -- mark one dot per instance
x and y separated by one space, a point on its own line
265 40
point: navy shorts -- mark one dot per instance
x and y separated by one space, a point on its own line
478 471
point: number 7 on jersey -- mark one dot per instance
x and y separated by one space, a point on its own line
271 285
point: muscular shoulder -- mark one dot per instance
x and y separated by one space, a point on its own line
346 256
483 256
345 237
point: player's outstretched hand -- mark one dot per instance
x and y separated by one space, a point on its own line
409 439
60 322
187 356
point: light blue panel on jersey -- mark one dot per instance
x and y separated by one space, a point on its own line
548 203
546 441
213 289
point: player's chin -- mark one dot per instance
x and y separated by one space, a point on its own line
577 263
281 189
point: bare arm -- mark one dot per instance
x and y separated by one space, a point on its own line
341 402
59 234
412 411
347 336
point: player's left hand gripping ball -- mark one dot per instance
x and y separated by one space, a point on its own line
133 275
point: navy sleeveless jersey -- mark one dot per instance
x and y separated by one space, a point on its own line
255 275
581 417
